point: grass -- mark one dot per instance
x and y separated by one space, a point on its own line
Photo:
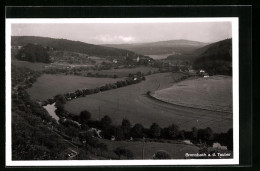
132 103
213 93
47 86
177 151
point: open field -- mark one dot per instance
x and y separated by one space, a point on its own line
47 86
213 93
177 151
132 103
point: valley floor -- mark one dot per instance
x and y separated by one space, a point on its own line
132 103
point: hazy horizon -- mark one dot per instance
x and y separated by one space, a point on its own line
127 33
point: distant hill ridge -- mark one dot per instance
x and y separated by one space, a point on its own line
216 47
74 46
160 47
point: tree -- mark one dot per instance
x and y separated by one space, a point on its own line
155 130
173 131
194 133
137 131
119 133
225 139
182 135
229 140
79 93
162 155
206 135
139 74
119 84
60 108
60 98
84 116
106 122
126 126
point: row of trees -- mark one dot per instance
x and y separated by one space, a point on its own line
172 132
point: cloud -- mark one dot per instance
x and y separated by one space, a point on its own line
114 39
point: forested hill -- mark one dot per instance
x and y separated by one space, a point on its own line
215 58
74 46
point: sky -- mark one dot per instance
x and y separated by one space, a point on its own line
118 33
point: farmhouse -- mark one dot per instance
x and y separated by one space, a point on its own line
203 73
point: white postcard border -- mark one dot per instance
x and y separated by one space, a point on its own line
235 63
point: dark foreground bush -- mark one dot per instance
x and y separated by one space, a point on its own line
162 155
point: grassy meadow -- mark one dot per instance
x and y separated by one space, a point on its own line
212 93
47 86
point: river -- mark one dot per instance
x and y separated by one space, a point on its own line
51 110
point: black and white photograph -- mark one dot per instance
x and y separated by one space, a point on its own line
122 91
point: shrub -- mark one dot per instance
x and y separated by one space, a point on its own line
123 152
84 116
162 155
